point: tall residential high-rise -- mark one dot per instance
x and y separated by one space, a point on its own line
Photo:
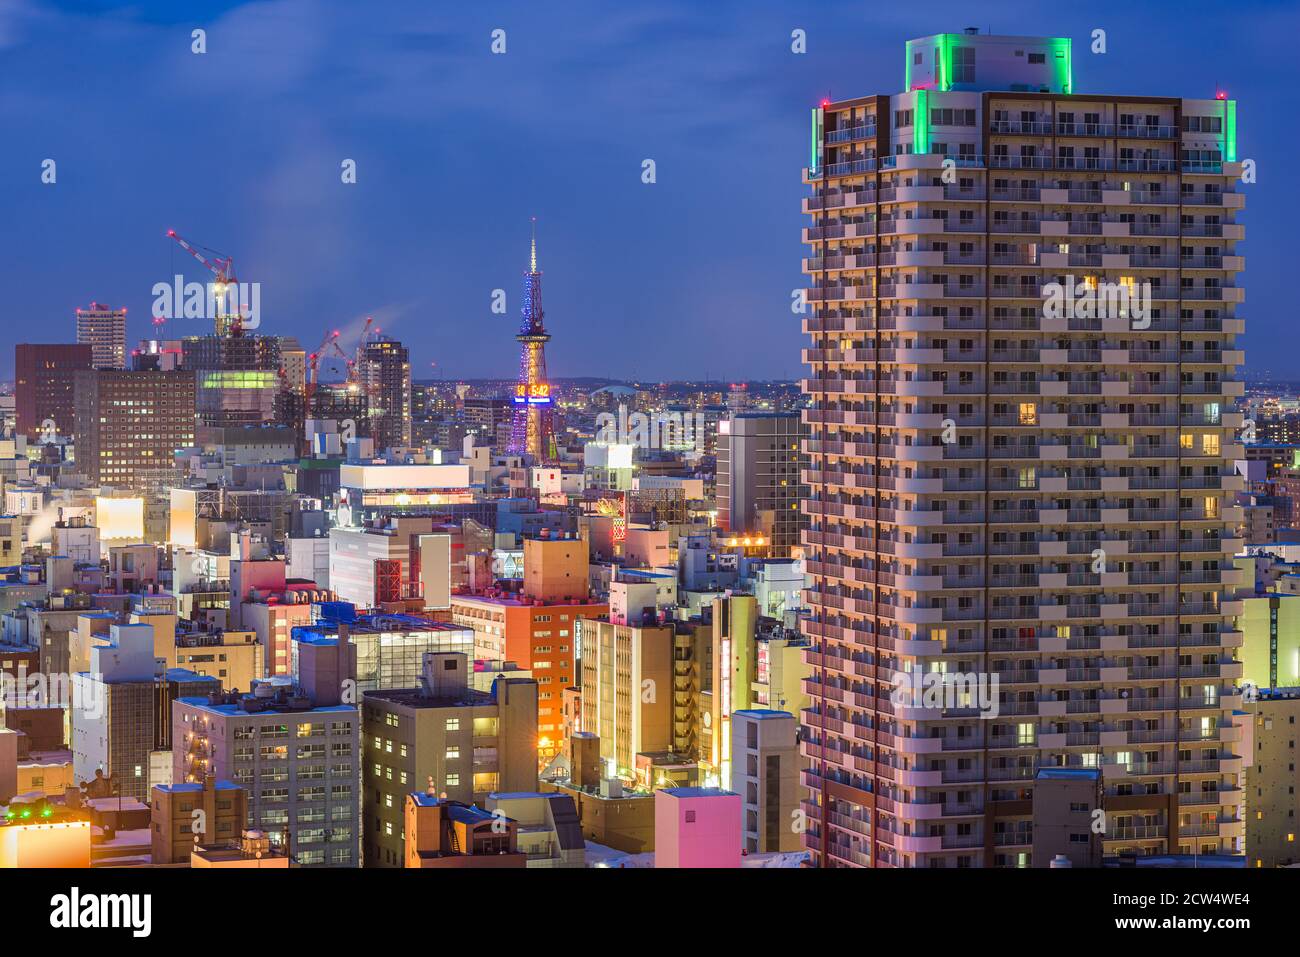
758 478
1023 313
534 431
384 369
103 328
129 425
44 386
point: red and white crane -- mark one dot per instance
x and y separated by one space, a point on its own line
223 267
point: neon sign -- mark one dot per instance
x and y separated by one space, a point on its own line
536 393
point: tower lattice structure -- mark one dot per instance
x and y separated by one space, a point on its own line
533 431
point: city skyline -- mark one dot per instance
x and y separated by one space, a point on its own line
456 147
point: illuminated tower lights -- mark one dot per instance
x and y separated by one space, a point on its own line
533 432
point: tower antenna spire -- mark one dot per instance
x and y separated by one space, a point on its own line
533 260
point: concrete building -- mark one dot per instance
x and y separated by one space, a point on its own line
103 329
697 827
1008 482
1271 806
757 663
129 425
447 833
758 478
555 569
118 711
765 773
1270 649
384 368
299 762
467 743
188 814
253 849
540 637
234 658
609 813
1064 820
44 837
548 830
390 649
45 387
627 677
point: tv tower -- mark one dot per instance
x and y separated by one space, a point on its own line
533 433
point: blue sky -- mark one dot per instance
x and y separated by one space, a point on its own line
240 149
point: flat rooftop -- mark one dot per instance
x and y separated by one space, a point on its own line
234 710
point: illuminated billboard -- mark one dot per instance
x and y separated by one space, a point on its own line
120 517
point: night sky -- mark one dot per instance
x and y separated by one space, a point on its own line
240 149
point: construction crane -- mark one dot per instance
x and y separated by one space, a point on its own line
313 360
223 267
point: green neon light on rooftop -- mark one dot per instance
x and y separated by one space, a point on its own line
943 62
238 379
814 160
1062 51
921 122
1229 145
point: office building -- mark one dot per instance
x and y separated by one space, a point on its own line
45 387
641 692
539 636
129 425
298 761
1013 483
234 658
765 773
1271 807
757 664
758 478
464 743
119 710
390 649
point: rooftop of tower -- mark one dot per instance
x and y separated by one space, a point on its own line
975 62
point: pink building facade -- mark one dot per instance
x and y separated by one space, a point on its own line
697 827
